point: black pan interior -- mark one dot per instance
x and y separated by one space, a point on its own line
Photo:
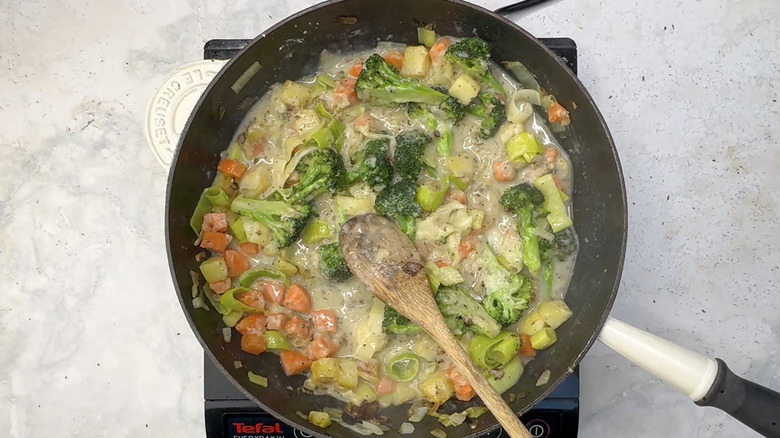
290 50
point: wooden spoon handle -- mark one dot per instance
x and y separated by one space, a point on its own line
492 399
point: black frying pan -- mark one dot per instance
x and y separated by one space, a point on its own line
290 50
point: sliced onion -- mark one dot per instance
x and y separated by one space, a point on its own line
197 303
237 364
438 433
227 334
543 378
519 110
418 413
406 428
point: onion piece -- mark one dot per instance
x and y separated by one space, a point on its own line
227 334
438 433
237 364
197 303
543 378
406 428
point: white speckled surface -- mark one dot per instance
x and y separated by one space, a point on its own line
92 340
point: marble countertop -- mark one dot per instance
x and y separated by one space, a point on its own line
92 340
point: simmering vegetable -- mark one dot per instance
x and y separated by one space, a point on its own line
435 137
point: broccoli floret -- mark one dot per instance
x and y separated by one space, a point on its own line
381 83
398 202
563 244
409 149
454 110
491 112
373 165
394 322
455 302
285 221
323 171
525 201
333 266
440 120
473 55
508 293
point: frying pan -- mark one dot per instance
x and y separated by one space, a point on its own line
291 50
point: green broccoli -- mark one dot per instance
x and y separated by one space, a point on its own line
473 55
381 83
323 171
525 201
453 109
563 244
508 293
285 221
333 266
398 202
440 120
409 150
394 322
455 302
491 112
373 165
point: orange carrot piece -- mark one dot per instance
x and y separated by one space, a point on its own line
254 324
253 344
394 58
298 328
551 154
557 113
438 49
236 262
466 247
526 349
252 298
386 385
325 320
250 248
322 346
504 171
456 195
463 389
233 168
442 263
273 291
346 89
297 298
221 287
294 362
356 69
216 241
215 222
276 321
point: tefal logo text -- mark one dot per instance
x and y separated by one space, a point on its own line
258 428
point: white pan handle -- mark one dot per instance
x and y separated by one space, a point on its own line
690 372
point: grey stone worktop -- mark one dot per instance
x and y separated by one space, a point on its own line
92 340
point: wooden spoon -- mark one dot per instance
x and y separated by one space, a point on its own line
385 260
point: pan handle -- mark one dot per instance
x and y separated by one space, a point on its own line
706 381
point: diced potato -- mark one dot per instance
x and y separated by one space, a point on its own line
403 393
306 122
256 181
477 217
437 388
531 323
509 130
363 393
543 338
465 88
425 347
319 419
347 207
324 371
286 267
554 312
214 269
416 62
256 232
460 165
294 94
348 375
